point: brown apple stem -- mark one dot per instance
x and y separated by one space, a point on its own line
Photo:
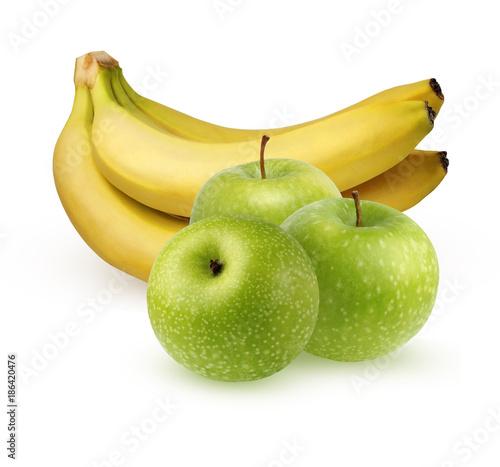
263 143
357 203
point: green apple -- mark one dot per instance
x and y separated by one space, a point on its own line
233 298
270 190
377 280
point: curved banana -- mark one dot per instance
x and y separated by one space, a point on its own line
401 187
121 231
407 183
166 172
122 98
189 127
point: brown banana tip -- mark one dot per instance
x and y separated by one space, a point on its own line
430 113
445 162
436 88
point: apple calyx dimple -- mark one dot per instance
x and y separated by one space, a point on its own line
263 143
357 203
216 266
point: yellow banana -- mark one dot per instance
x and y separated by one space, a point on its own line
408 182
189 127
120 230
122 98
166 172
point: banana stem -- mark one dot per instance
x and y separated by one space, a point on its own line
263 143
87 67
357 203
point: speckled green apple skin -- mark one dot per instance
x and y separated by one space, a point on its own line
249 321
290 185
378 282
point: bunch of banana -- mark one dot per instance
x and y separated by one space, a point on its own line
142 163
123 232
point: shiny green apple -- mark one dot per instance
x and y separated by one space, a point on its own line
378 281
233 298
272 189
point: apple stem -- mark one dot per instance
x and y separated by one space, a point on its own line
357 203
215 266
263 143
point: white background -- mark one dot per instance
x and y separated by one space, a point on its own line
252 63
